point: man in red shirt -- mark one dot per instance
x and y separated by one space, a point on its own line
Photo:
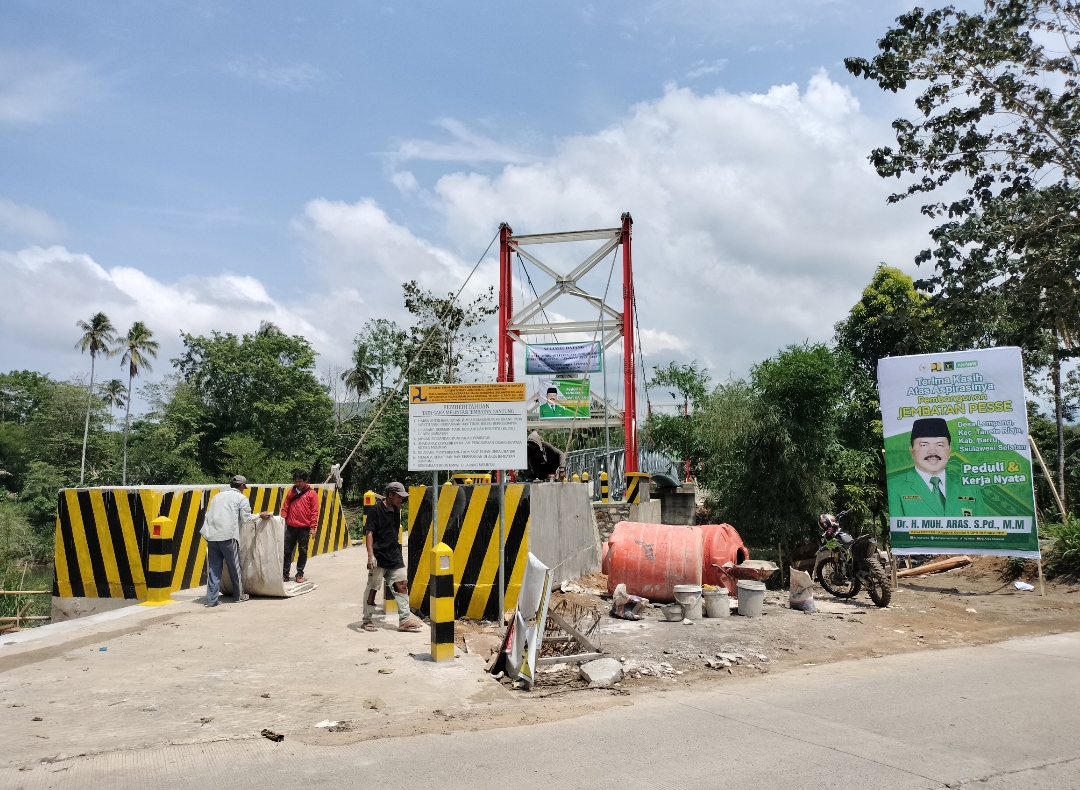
301 513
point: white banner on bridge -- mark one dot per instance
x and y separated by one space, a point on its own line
467 427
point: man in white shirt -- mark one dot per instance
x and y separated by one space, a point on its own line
221 531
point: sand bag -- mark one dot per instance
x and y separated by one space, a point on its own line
801 591
626 606
262 548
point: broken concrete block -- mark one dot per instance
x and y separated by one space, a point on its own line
602 672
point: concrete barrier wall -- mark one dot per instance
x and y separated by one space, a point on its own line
469 524
563 532
102 534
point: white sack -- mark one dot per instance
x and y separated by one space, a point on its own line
801 591
262 550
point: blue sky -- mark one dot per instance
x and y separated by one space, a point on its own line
149 149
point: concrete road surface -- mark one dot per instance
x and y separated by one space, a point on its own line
992 717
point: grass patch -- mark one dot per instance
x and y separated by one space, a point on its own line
25 561
1063 556
1014 568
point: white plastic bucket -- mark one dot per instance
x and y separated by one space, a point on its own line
689 595
673 612
751 597
716 603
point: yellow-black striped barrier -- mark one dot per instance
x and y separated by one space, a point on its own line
637 487
604 487
159 563
469 525
442 602
102 535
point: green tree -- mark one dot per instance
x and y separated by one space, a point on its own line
139 348
772 441
999 109
166 441
384 340
360 378
448 341
680 434
891 319
261 385
113 393
98 333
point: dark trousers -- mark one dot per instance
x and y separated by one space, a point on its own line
295 537
222 553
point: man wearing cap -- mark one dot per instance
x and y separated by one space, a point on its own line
931 488
221 531
385 564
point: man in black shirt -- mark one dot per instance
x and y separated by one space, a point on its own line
385 564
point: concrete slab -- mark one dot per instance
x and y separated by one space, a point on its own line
140 676
946 718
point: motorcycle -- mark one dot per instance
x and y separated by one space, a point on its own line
844 565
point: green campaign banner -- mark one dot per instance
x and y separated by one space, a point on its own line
957 457
562 399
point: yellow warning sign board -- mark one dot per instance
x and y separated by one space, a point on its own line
500 392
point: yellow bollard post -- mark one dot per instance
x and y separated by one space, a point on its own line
369 503
442 603
637 487
604 487
576 478
160 563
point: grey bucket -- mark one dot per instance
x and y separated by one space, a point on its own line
716 603
751 597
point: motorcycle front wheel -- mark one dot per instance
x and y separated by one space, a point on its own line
879 587
836 581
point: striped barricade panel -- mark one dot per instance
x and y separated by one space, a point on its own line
469 524
102 535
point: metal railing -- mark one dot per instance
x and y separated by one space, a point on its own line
592 461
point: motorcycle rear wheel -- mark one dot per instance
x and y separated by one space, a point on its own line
880 588
835 582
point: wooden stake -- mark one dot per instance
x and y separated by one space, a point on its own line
893 557
1049 479
1057 498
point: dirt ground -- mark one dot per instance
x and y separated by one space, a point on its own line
963 607
967 606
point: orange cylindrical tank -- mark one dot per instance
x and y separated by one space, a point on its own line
650 559
722 543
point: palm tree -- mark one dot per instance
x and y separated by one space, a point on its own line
360 378
97 334
112 392
139 347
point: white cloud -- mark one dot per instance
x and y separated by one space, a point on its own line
294 77
48 289
702 67
27 222
758 219
36 89
757 223
465 146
